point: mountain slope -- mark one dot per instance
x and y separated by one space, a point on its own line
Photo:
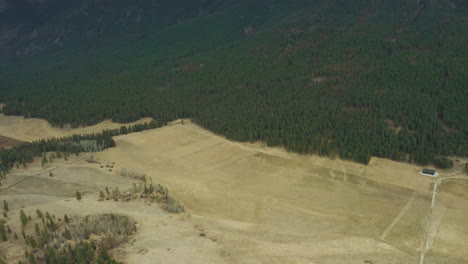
347 78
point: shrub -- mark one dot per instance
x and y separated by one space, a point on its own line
173 206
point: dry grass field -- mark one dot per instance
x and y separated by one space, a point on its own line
248 203
30 129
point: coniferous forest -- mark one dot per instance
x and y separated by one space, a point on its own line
342 78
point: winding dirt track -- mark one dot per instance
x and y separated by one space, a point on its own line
430 231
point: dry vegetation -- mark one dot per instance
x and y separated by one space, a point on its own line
46 238
143 191
247 203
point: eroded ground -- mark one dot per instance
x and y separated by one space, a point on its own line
251 204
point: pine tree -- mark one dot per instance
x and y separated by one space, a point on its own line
67 234
44 160
39 213
23 218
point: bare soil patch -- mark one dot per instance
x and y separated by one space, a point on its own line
6 142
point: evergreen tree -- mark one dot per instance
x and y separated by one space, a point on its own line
44 160
39 213
23 218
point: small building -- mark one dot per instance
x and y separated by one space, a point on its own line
430 173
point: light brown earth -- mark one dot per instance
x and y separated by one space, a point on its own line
256 204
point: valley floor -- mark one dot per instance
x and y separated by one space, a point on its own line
248 203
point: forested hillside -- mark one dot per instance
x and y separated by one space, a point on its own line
343 78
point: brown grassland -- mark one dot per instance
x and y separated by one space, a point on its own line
245 202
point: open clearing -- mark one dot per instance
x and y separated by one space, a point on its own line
30 129
255 204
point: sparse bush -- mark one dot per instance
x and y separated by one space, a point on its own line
90 159
173 206
105 224
132 174
78 195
